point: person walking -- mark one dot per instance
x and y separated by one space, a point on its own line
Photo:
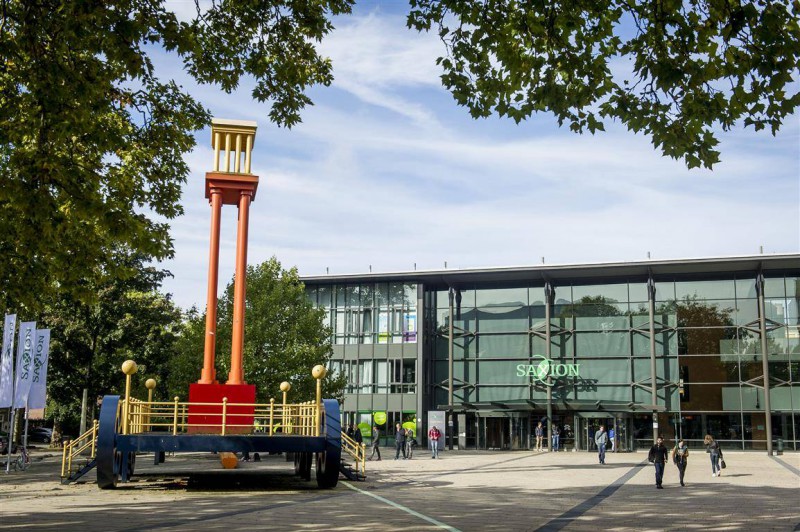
658 456
357 435
680 454
556 437
601 439
399 442
376 443
612 436
433 436
539 432
410 443
712 448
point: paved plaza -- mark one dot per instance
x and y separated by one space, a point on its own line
460 491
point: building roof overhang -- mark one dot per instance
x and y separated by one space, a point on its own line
591 272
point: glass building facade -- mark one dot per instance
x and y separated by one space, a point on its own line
575 347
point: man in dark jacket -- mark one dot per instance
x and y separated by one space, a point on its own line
376 442
400 442
658 455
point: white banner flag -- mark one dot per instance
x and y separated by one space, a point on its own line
41 356
27 333
7 362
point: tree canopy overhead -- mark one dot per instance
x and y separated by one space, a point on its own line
674 70
92 135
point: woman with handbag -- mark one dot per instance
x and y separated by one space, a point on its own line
712 447
680 455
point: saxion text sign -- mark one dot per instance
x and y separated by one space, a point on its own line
542 368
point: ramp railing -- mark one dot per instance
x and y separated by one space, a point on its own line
358 451
78 448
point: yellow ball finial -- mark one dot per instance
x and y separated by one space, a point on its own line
319 371
150 384
129 367
285 386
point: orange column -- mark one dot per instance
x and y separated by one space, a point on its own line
236 375
209 374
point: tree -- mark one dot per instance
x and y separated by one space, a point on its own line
92 138
128 319
670 69
284 337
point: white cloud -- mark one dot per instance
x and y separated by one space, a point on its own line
386 171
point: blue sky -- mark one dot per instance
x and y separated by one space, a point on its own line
386 170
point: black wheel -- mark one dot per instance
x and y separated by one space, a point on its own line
305 465
327 469
109 460
329 460
131 464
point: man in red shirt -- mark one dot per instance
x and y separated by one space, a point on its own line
433 436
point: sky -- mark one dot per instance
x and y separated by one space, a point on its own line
387 172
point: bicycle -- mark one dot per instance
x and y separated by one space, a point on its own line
21 460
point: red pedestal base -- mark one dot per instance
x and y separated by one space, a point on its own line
207 419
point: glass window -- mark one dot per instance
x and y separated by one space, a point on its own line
775 309
505 297
410 295
706 313
382 376
340 296
666 343
607 293
383 327
500 372
503 319
353 294
604 393
602 322
324 296
536 295
746 311
614 371
396 294
466 320
367 295
704 290
746 288
774 287
665 291
562 346
366 376
503 346
602 344
637 292
381 295
410 326
563 295
708 341
502 393
311 295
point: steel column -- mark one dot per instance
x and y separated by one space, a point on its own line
762 327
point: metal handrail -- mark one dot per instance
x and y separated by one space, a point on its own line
273 418
358 451
75 448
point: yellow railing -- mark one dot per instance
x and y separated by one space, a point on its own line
86 442
178 417
357 450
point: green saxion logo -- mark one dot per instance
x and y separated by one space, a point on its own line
542 368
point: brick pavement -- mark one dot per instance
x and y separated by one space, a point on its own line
460 491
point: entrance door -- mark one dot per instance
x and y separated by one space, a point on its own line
589 423
496 432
